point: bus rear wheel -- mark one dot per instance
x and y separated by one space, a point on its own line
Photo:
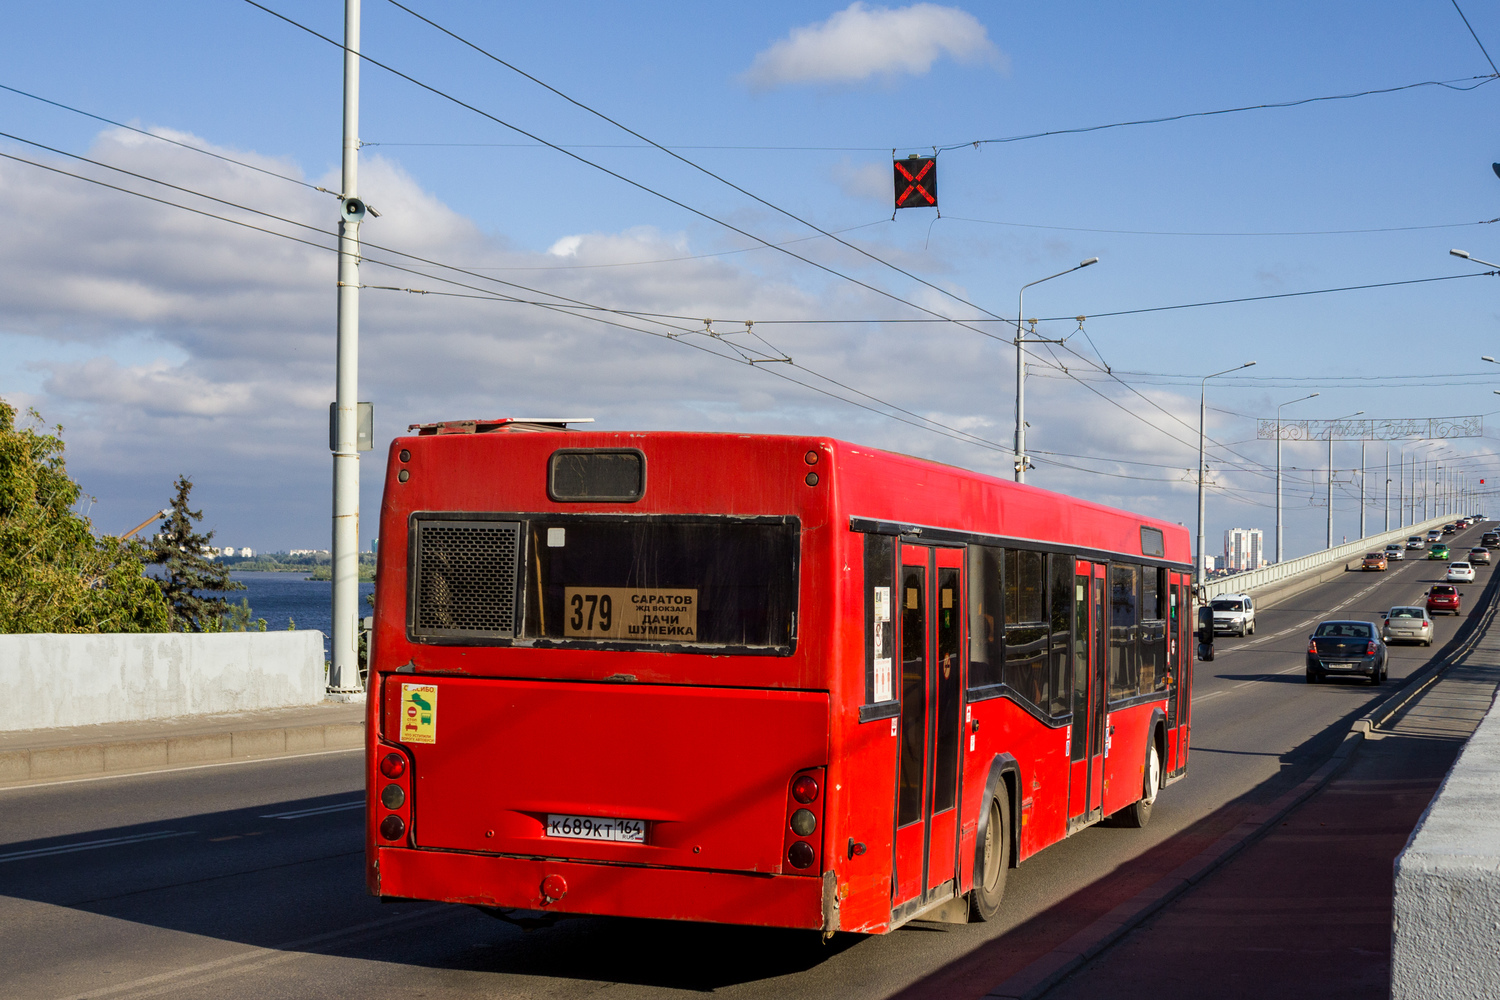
1138 813
989 883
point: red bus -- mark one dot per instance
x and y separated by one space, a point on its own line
784 681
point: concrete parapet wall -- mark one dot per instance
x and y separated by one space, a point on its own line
78 680
1277 574
1445 936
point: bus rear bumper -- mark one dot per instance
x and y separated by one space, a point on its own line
600 889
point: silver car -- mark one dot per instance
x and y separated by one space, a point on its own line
1479 555
1394 552
1407 624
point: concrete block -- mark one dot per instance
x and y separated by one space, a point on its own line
15 765
258 742
55 681
135 754
304 739
197 749
340 736
63 762
1446 928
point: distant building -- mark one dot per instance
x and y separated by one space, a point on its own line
1244 549
308 552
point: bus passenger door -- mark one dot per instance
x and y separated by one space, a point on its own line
911 783
1090 679
1098 689
947 737
931 640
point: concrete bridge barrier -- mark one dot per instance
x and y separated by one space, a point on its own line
1445 933
1305 571
49 680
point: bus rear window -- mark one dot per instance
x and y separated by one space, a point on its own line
628 580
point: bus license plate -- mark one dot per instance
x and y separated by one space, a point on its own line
629 831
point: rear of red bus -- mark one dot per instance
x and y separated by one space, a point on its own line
589 690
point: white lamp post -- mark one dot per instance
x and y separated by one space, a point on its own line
1202 411
1021 461
1278 470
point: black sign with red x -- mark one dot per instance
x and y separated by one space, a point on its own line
916 182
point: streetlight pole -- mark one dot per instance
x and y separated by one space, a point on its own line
343 672
1202 413
1387 488
1361 489
1330 472
1021 461
1278 470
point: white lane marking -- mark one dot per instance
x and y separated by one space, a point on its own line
1235 687
171 770
316 811
94 845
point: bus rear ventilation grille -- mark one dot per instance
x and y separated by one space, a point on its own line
465 578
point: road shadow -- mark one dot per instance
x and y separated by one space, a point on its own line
249 877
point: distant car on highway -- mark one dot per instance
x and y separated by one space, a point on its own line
1407 623
1490 539
1443 597
1375 560
1394 552
1449 529
1438 551
1415 542
1345 648
1434 535
1234 613
1460 572
1479 554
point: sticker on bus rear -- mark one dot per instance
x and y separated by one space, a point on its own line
637 614
419 713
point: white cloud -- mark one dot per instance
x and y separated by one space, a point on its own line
868 181
860 42
181 344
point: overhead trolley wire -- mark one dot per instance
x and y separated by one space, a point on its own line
575 308
1476 37
1448 84
174 142
633 183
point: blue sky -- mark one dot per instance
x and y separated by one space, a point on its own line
167 343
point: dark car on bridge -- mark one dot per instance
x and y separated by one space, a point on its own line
1345 649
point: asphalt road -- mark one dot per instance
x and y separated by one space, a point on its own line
246 880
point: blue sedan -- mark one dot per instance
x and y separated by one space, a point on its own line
1345 649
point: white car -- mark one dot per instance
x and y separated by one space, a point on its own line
1394 552
1460 572
1234 613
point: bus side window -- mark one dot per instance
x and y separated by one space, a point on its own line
1026 626
1059 598
880 639
1124 625
986 617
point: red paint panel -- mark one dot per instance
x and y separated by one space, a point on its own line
707 769
1125 765
657 893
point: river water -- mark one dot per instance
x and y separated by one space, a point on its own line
277 597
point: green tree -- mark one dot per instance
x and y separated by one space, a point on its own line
183 553
55 576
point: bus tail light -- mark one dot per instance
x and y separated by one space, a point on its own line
804 821
393 798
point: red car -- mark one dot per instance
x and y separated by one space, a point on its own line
1442 597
